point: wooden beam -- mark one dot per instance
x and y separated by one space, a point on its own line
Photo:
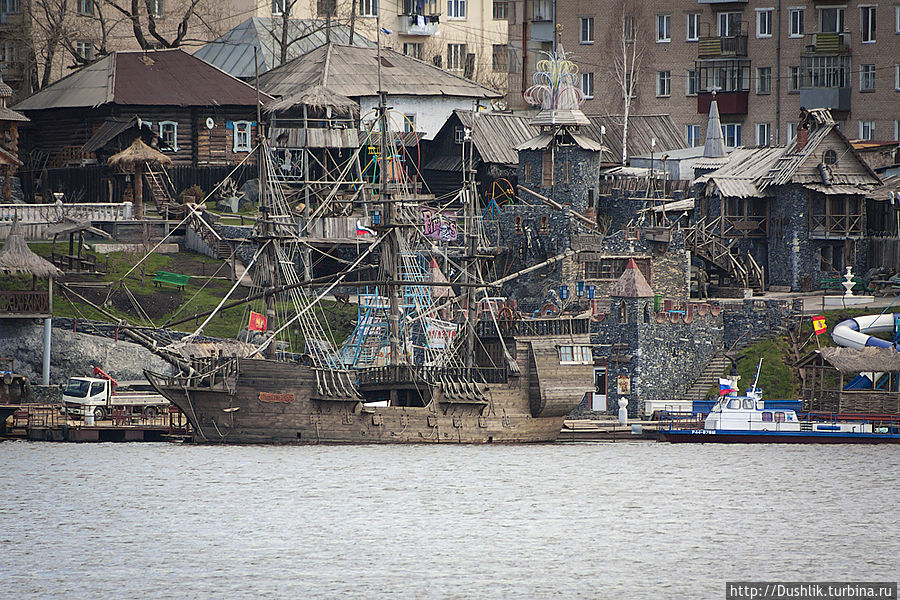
559 206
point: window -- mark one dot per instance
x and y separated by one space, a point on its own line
85 49
155 7
587 85
501 10
867 24
729 24
779 417
795 16
86 7
628 28
629 87
693 27
413 49
763 80
867 130
279 6
368 8
767 417
897 131
409 123
663 83
456 57
763 131
867 78
793 79
791 131
690 82
612 268
831 20
732 134
897 19
459 135
692 135
582 355
7 51
168 134
500 58
456 9
662 28
587 30
241 136
9 6
897 78
764 22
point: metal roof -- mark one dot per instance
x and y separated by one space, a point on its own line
642 129
8 114
233 52
145 78
112 127
353 72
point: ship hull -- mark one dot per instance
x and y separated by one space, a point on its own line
271 402
697 436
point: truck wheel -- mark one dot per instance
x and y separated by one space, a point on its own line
99 413
150 411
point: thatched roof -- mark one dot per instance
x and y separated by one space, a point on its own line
138 152
17 258
318 97
851 360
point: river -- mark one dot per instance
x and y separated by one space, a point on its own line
576 520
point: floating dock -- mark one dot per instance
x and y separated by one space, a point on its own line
45 422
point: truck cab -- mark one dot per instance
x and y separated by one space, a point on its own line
87 394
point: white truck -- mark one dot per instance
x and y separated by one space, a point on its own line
98 396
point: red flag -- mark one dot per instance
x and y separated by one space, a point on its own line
257 322
819 325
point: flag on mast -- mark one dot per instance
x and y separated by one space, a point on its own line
819 325
257 322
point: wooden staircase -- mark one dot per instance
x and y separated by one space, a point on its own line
708 379
161 189
705 243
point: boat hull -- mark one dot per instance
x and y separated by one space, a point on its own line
699 436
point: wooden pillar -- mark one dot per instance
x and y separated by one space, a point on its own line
138 190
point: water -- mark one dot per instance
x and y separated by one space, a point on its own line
593 520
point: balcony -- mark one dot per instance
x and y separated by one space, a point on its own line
827 43
730 103
424 25
835 99
24 304
825 81
728 46
542 31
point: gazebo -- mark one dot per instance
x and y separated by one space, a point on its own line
16 258
136 157
73 262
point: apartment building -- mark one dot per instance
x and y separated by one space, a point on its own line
763 58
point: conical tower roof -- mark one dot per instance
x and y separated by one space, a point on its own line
715 141
17 258
631 284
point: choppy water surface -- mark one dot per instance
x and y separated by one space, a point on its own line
599 520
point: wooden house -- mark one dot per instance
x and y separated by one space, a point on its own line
201 116
9 141
799 210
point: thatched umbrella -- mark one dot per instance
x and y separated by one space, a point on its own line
17 258
317 97
137 155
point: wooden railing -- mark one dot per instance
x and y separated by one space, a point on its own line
24 303
706 243
412 374
53 213
532 327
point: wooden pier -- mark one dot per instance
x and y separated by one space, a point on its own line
45 422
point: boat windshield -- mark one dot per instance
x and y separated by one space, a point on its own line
749 403
77 388
734 403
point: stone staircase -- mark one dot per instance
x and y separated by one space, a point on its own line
708 378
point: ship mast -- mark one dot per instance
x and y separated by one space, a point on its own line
470 274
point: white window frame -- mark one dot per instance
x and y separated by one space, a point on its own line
456 9
791 130
278 8
417 46
663 84
796 26
242 128
457 51
158 7
10 7
692 135
587 37
690 82
724 18
576 355
587 85
409 123
795 76
897 78
368 8
735 135
759 79
867 125
692 27
841 16
86 8
897 130
764 21
763 134
85 49
867 36
897 19
663 28
867 76
174 124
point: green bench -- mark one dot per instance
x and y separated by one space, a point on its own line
836 283
175 279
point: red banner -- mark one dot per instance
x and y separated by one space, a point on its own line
257 322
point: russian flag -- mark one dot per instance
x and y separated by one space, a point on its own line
725 386
363 230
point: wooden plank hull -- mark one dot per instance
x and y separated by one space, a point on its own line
273 402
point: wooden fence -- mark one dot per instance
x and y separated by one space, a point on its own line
885 252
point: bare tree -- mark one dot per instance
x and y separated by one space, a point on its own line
147 21
52 22
626 66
